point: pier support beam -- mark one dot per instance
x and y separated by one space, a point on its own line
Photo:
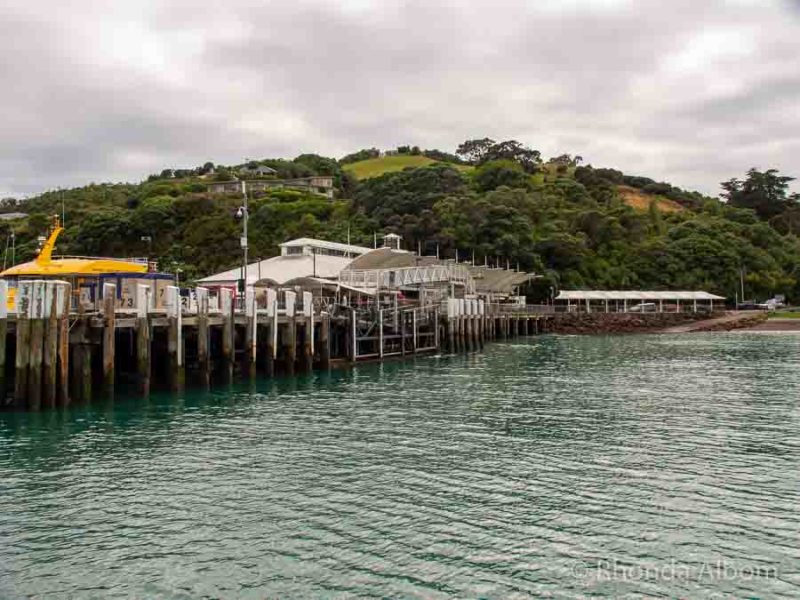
65 300
37 329
228 333
50 355
251 331
177 373
451 335
307 363
403 317
143 300
325 342
3 335
414 331
350 338
271 334
81 362
203 338
109 330
290 337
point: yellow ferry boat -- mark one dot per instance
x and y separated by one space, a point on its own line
87 275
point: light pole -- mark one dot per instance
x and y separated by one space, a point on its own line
242 214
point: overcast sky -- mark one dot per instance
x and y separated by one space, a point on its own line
689 91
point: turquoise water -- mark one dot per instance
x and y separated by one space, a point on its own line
657 466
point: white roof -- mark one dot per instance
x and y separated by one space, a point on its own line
635 295
326 245
283 268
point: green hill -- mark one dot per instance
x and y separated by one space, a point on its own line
374 167
579 226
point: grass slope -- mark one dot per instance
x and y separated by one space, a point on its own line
374 167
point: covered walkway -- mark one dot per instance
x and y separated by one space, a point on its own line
638 301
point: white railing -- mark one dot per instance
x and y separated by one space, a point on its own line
406 276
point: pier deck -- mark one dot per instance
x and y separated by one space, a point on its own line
54 354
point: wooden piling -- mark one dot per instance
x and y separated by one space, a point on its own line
3 334
50 356
228 333
415 331
109 331
37 330
175 338
436 339
290 344
251 332
65 300
403 319
203 338
325 341
269 349
350 337
308 344
23 301
87 388
451 335
81 362
271 332
308 332
143 338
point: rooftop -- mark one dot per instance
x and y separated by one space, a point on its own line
326 245
635 295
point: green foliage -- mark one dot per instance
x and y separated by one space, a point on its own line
569 225
496 173
480 151
767 193
365 154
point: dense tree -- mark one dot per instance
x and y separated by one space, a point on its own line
496 173
480 151
572 227
475 151
765 192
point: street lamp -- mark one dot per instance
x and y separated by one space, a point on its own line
243 214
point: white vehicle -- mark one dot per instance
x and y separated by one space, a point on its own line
643 307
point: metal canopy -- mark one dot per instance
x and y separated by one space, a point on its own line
635 295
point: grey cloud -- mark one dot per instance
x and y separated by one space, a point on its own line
244 80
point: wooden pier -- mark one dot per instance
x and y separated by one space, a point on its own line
53 354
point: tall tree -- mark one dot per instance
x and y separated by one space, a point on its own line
475 151
765 192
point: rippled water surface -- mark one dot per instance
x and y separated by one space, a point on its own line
565 466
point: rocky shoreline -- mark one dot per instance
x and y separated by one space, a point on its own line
611 323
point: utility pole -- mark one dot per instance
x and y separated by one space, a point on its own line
243 211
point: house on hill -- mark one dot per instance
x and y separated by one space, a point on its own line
318 184
257 171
